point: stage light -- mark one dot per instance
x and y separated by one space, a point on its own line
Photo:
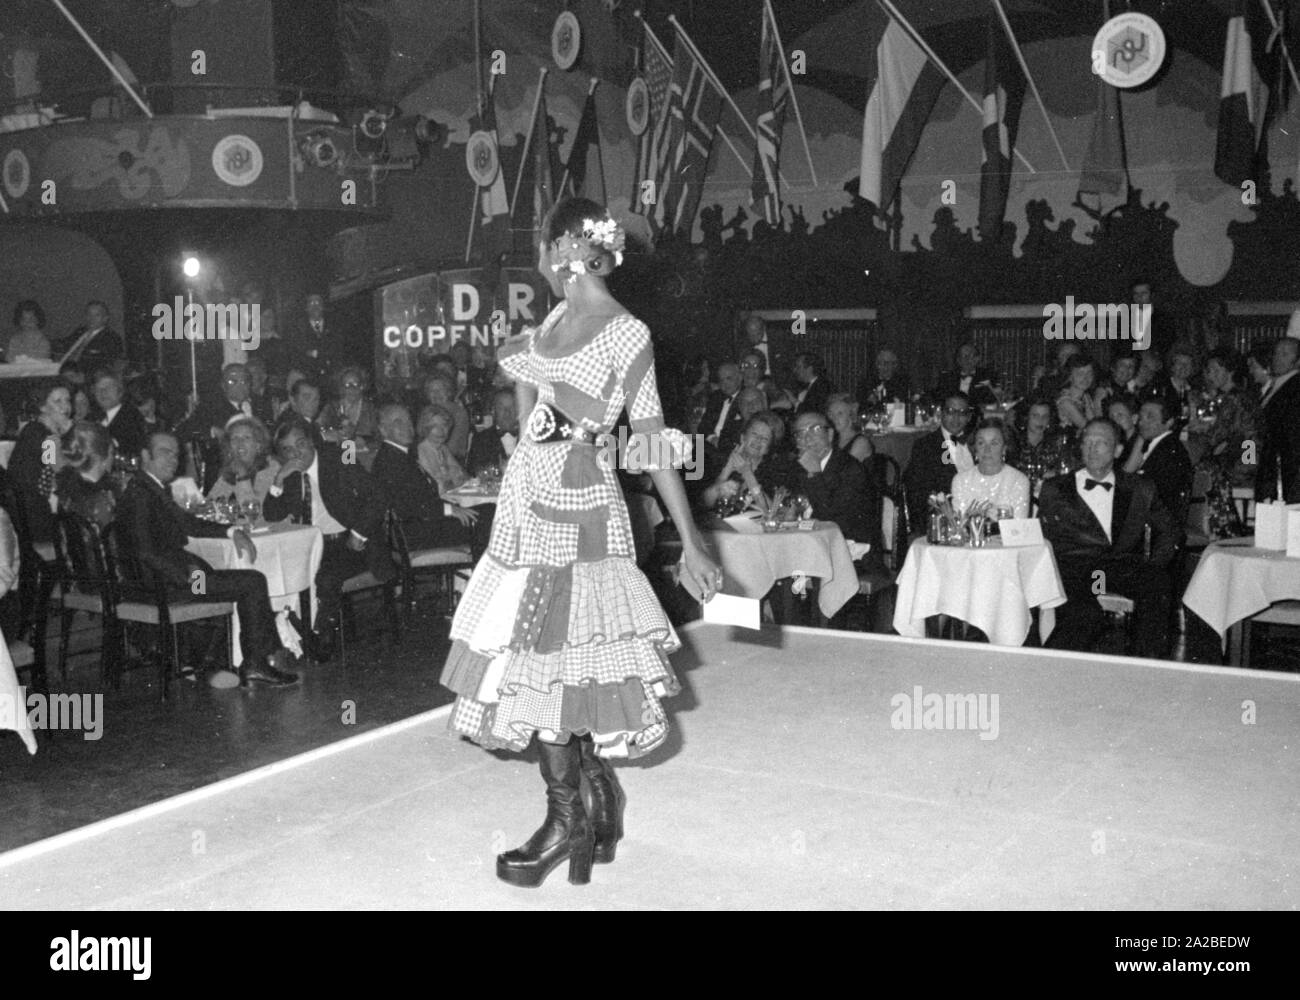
191 267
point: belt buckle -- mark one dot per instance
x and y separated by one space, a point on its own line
541 423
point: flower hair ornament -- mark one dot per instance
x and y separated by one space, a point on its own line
575 253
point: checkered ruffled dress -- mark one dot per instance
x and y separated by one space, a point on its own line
558 632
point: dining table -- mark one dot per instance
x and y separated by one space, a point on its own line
1235 580
753 560
288 555
473 493
994 587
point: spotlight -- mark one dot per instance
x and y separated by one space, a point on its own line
373 124
319 148
191 266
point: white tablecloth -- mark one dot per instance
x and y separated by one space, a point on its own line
992 588
288 556
470 494
13 701
1234 580
752 563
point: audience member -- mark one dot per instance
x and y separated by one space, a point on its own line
968 378
247 468
842 411
123 420
747 468
1042 445
1076 406
721 424
1259 363
352 417
439 390
1164 460
435 457
938 456
28 341
1222 423
93 346
809 371
1123 412
37 456
1279 420
83 485
991 479
493 446
887 384
143 393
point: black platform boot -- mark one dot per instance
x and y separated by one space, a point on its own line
606 802
566 832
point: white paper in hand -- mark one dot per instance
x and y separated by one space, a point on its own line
724 609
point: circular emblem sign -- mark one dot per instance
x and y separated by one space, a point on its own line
481 158
566 40
1128 50
638 106
17 173
237 160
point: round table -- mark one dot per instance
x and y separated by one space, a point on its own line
992 588
1235 581
753 562
288 555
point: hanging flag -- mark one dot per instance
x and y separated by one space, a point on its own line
1004 92
773 96
652 156
1243 97
580 178
694 107
495 235
1105 166
538 170
899 101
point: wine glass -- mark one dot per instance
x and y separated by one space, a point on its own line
252 510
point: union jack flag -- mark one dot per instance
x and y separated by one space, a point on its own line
694 106
653 152
773 96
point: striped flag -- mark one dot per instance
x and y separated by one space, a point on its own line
694 107
1004 91
899 101
538 171
494 203
1105 165
773 96
1243 97
653 152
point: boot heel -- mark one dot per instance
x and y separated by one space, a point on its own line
604 850
580 863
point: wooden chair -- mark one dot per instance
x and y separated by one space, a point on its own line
367 581
1283 613
443 564
91 582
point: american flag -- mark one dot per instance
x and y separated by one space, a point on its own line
653 153
773 95
694 106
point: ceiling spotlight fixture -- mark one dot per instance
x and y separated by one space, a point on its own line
373 124
319 148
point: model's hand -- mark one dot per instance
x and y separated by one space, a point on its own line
288 469
811 463
703 573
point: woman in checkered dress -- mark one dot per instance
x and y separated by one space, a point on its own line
559 638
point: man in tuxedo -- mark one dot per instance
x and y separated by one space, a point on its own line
1279 451
1096 520
92 346
124 422
888 385
968 378
722 423
210 419
1165 462
817 389
493 446
315 486
412 494
1163 331
154 532
937 457
311 341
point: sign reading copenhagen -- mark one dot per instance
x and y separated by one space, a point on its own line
1128 50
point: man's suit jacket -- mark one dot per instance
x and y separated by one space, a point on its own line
814 400
486 450
154 531
128 429
1078 539
311 352
210 419
1169 467
896 390
845 494
1280 447
406 487
980 393
735 423
349 495
927 472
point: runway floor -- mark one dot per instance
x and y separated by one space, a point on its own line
1111 783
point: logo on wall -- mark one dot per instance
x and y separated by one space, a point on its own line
638 106
566 40
481 158
237 160
17 173
1128 50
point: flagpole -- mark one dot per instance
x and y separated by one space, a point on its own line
528 142
699 57
1272 19
771 14
668 59
915 35
595 81
1038 98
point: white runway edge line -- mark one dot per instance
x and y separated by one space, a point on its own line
37 848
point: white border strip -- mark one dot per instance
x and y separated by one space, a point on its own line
40 847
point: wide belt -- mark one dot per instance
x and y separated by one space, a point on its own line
547 425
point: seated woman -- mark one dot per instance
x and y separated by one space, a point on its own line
1222 421
991 478
1123 410
84 486
1041 446
695 392
38 455
747 467
28 341
247 468
1076 404
842 411
439 390
143 393
433 432
352 414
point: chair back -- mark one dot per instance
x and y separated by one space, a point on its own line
888 480
85 563
397 541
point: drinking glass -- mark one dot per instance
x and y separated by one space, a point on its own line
252 510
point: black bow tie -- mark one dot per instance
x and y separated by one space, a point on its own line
1090 483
